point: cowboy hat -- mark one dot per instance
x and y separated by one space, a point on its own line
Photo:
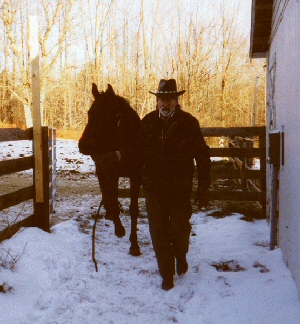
167 88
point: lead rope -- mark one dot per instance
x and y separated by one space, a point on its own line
94 236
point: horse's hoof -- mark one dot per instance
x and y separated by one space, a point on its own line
119 230
135 251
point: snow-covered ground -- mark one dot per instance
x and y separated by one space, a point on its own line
51 278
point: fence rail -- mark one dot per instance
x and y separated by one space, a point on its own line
41 216
16 165
244 144
240 155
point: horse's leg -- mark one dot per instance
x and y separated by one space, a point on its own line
109 189
134 213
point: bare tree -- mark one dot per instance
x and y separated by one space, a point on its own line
131 45
15 11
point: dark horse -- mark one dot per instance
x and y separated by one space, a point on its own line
113 127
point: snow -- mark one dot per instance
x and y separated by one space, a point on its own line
54 280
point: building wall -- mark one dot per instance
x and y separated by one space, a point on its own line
283 113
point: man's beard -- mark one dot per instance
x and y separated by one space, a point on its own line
166 111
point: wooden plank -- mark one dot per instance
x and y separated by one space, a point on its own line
237 152
15 134
16 197
16 165
233 131
235 195
14 228
236 174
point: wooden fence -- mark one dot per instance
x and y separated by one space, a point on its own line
243 145
41 216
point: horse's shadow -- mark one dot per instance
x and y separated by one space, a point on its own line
113 127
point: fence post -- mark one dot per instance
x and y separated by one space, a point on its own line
42 209
37 113
39 167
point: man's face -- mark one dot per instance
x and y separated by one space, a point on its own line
166 106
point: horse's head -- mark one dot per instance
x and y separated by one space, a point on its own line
111 120
107 102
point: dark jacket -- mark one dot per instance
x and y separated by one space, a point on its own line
168 149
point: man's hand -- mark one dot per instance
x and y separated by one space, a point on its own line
201 196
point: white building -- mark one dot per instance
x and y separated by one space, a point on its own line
275 35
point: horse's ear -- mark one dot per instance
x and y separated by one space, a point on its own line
95 91
110 89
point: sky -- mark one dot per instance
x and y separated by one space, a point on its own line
54 279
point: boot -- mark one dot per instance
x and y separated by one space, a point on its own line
181 265
167 283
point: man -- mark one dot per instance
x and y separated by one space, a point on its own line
169 141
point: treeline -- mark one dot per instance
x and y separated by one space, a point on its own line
130 44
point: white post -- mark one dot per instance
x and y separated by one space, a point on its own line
37 113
